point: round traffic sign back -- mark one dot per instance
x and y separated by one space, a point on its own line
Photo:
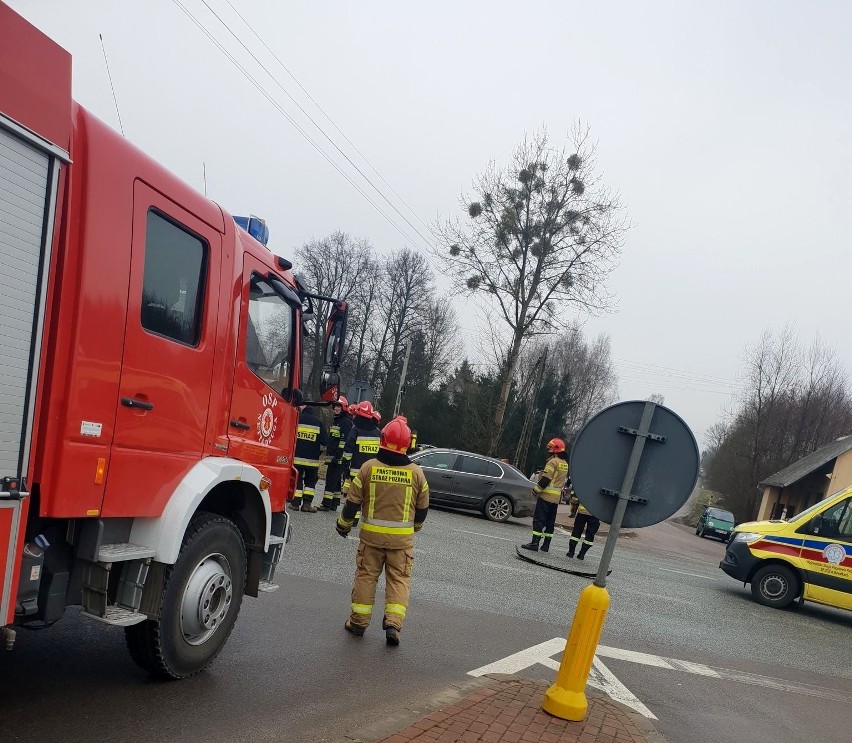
667 470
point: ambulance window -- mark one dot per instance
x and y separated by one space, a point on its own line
269 334
173 283
836 522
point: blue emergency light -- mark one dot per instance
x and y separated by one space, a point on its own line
256 227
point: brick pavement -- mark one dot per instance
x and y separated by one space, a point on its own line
507 709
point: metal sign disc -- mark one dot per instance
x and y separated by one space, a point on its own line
667 471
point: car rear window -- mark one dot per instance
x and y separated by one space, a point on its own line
474 465
721 515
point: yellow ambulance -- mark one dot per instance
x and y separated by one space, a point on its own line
807 557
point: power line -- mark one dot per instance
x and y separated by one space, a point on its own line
324 113
313 121
287 116
692 374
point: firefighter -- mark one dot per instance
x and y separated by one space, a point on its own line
394 495
583 520
413 447
311 438
337 434
548 490
362 443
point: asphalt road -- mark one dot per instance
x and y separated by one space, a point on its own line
290 673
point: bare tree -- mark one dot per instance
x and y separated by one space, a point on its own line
594 383
543 236
332 267
407 287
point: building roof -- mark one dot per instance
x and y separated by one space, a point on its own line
811 463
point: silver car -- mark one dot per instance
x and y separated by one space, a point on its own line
465 480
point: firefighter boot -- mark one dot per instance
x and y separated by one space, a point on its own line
532 546
327 504
545 544
391 635
583 550
572 545
296 504
355 629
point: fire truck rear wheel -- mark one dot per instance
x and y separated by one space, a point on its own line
201 599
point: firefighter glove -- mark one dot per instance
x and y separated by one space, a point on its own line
343 528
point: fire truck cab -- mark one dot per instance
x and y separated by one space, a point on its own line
150 373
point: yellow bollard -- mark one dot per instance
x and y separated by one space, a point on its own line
567 697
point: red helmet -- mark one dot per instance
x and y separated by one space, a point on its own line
364 408
396 436
342 401
377 416
555 446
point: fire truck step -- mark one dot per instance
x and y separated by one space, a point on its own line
117 616
276 540
123 552
267 587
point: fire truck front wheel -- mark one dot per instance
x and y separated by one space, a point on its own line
201 598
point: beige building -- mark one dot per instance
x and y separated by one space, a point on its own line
795 488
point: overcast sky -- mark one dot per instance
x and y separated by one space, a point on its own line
725 126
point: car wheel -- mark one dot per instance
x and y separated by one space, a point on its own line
775 586
498 508
201 598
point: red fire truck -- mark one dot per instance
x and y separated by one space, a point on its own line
150 365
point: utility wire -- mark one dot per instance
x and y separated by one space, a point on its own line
112 87
287 116
314 122
324 113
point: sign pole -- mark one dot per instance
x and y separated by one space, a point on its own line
566 698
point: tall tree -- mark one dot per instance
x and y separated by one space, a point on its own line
542 237
332 267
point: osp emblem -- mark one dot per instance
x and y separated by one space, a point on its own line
267 422
834 553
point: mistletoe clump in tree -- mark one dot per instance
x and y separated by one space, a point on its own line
540 239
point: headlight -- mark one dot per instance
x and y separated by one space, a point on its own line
747 536
710 524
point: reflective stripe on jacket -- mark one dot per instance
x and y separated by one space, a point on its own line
556 470
389 497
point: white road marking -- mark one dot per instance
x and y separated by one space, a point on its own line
632 656
543 652
693 575
523 659
600 677
480 534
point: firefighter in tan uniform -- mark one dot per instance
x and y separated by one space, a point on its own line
393 496
548 490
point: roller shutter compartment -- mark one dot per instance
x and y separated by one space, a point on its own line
24 191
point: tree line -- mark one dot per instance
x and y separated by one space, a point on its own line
796 398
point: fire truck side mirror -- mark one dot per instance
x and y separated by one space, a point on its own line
335 335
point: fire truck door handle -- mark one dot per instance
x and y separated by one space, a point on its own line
241 425
132 402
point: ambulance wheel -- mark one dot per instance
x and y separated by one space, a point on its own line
775 586
201 597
